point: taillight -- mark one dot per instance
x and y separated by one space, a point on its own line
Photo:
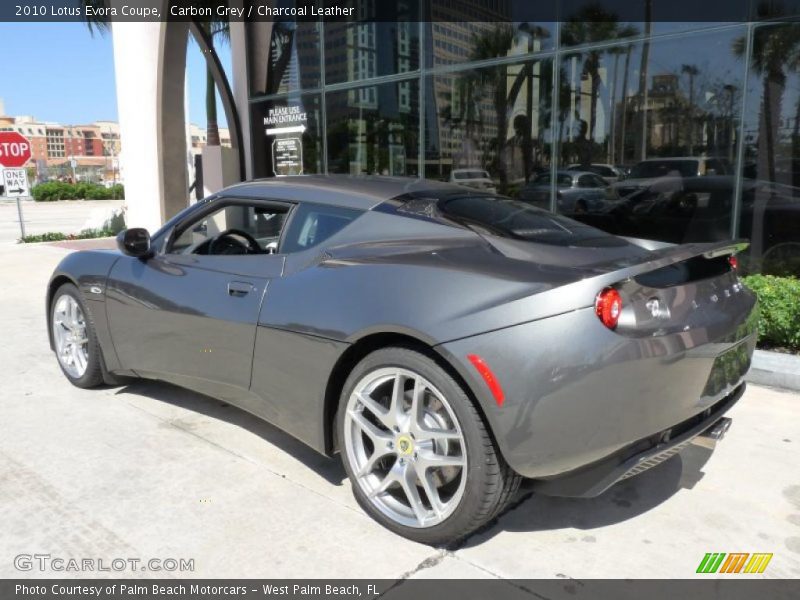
733 262
608 306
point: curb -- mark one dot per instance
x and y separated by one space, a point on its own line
775 369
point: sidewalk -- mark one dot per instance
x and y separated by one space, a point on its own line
65 216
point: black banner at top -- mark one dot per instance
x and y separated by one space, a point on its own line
512 11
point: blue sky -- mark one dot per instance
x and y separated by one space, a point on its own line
64 74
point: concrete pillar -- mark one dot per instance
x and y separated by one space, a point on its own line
241 94
150 62
220 168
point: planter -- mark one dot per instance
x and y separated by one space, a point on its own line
775 369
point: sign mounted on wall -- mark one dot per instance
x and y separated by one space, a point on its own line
285 119
287 156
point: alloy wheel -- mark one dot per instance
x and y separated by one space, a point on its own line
405 447
70 336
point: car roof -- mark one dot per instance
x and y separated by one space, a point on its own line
350 191
674 158
591 165
569 172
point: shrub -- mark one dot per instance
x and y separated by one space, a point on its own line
779 318
57 236
58 190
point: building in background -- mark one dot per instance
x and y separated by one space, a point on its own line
694 127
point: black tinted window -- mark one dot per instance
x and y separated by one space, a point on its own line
663 168
313 224
518 220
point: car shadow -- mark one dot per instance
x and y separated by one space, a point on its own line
626 500
329 469
528 512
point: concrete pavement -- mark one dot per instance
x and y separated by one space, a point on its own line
66 216
152 471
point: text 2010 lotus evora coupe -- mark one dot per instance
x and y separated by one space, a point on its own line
447 343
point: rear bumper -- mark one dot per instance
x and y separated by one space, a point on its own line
592 480
578 395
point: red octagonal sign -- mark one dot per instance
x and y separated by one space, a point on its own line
15 150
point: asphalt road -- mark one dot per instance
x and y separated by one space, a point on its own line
66 216
151 471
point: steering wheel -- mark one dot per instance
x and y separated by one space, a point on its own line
231 240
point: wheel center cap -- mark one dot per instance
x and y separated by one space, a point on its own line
405 445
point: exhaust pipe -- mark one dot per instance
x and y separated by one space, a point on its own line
710 437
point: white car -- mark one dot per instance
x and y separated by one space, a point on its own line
608 172
474 178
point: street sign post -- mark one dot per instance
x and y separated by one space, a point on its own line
15 151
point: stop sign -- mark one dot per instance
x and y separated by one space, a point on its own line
15 150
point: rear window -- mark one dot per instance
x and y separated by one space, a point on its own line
519 220
312 225
471 175
663 168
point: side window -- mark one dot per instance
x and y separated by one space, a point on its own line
564 180
233 230
313 224
588 181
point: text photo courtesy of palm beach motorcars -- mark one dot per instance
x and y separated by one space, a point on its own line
443 291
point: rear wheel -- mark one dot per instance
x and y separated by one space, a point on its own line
74 338
417 452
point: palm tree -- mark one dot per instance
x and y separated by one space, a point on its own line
221 30
692 71
592 24
492 43
775 51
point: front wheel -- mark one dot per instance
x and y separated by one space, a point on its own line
418 454
74 338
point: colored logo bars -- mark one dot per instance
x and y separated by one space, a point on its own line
736 562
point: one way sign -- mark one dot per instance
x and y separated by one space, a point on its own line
15 182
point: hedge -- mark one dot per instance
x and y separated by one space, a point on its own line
779 317
57 236
58 190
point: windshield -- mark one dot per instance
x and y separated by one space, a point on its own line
663 168
471 175
518 220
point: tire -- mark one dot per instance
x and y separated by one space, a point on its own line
85 370
467 496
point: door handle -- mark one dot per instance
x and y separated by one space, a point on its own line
239 288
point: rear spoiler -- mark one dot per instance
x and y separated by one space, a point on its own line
728 248
663 257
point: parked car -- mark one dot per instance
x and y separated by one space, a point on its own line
643 174
696 209
447 343
577 192
609 173
474 178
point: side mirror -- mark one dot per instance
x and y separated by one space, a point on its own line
134 242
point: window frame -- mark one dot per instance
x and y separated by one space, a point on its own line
221 202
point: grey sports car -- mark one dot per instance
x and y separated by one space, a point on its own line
446 343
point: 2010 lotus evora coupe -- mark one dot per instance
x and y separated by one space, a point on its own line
446 342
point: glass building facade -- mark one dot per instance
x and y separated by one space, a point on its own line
675 131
